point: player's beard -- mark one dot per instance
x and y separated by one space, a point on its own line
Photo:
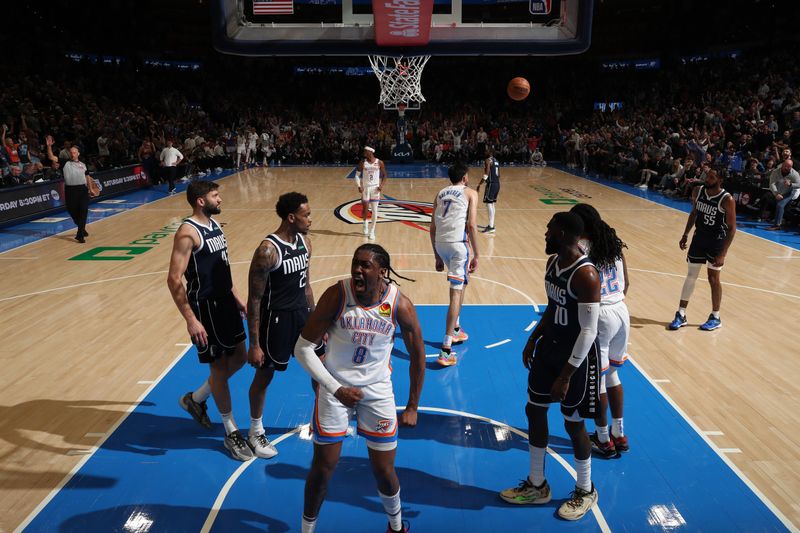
208 210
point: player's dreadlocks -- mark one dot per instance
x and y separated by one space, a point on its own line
383 260
606 247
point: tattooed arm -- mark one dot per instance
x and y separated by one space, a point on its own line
264 260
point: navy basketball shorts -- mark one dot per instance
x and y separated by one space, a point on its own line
491 192
704 248
583 393
279 332
223 324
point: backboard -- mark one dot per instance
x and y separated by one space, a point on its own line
347 27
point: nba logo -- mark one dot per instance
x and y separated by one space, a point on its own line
540 7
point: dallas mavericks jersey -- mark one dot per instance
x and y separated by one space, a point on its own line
565 328
209 272
371 176
450 216
494 172
286 283
360 340
612 279
710 220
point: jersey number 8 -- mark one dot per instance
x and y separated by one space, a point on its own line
360 355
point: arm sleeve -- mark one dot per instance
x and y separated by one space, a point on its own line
588 315
304 353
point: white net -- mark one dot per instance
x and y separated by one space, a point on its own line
400 79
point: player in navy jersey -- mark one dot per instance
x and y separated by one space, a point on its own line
714 219
491 177
279 301
562 358
211 307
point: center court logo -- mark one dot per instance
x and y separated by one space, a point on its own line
408 212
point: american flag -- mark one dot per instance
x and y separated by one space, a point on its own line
273 7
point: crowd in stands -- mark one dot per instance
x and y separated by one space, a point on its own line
741 116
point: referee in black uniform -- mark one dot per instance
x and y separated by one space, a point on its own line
76 192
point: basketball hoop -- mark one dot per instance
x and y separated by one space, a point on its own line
400 79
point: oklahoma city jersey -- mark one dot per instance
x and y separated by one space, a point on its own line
450 216
612 279
361 339
372 173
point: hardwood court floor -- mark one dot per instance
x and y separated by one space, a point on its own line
82 340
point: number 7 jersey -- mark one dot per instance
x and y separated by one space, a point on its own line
361 339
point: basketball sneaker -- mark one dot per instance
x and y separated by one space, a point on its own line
711 324
605 449
365 231
447 359
678 322
261 446
405 529
198 410
620 443
372 235
579 503
488 229
460 337
235 443
526 494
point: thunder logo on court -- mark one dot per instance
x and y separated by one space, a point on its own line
410 213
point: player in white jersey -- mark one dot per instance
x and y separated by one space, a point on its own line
370 176
359 316
453 233
604 248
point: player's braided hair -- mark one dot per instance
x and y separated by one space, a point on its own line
383 260
606 246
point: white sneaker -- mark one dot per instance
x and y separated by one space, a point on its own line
261 446
372 235
366 229
580 502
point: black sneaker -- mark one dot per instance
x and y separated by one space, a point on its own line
488 229
240 450
198 410
607 450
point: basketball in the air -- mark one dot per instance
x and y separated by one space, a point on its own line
518 89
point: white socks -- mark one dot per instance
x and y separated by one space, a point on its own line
256 427
227 421
308 525
490 209
536 475
602 433
583 467
391 505
374 216
447 342
202 394
616 427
